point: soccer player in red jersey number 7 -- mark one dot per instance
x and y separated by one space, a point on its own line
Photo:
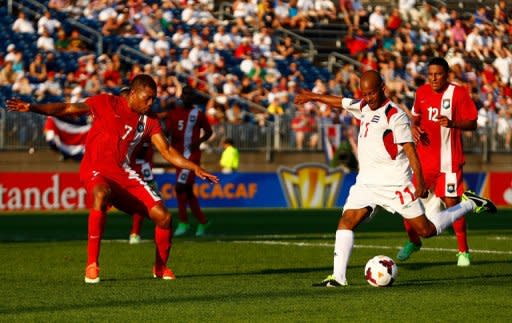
387 158
118 125
441 111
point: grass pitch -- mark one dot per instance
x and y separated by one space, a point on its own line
255 266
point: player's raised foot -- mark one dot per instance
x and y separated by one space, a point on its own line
134 239
407 250
463 259
181 229
329 281
201 229
164 273
481 204
92 273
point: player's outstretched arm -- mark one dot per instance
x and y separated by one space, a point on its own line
51 109
304 96
410 152
174 157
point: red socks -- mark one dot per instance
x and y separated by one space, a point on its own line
95 231
182 207
196 210
459 226
136 223
413 236
163 244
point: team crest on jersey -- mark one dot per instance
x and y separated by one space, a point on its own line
450 188
140 127
376 118
446 103
192 119
310 185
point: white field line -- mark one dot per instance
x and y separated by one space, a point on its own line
330 245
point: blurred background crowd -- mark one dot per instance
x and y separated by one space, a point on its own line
250 57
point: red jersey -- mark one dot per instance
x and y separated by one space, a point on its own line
184 128
441 148
115 133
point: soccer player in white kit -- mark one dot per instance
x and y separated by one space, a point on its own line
387 161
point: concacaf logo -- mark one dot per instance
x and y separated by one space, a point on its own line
310 185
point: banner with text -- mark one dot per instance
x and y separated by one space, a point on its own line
303 186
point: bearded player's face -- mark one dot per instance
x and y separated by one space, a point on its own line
142 99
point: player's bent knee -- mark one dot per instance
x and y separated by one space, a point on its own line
160 216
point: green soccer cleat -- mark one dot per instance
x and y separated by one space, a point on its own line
329 281
463 259
134 239
181 229
407 250
201 229
481 204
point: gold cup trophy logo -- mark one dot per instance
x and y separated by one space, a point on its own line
310 185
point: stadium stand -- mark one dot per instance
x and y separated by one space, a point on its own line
250 57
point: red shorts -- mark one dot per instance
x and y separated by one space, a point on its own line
129 193
444 184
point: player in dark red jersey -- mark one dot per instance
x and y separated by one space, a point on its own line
442 111
118 125
188 127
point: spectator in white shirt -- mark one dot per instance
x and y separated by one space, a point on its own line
22 25
45 42
47 22
162 42
408 10
147 46
263 41
181 39
376 20
223 40
11 53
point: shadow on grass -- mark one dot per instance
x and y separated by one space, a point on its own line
450 264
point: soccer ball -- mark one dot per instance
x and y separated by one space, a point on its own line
380 271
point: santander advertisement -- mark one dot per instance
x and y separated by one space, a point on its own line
41 191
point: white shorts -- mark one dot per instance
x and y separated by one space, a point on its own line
395 199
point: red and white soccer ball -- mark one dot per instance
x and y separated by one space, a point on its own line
380 271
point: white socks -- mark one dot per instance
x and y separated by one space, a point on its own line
342 250
445 218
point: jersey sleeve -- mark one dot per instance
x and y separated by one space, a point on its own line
95 102
401 127
466 108
154 127
353 106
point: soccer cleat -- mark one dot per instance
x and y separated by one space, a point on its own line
481 204
330 281
134 238
463 259
92 273
201 228
165 273
181 229
407 250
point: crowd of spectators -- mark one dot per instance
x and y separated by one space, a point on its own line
236 59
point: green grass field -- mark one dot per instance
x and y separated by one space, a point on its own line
255 266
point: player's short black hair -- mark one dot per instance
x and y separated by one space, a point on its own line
125 90
189 96
229 141
141 81
439 61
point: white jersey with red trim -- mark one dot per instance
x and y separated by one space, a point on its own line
382 160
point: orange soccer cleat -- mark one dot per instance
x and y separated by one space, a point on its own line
163 273
92 273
